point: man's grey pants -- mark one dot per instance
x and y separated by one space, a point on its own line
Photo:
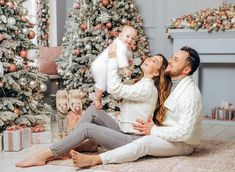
97 126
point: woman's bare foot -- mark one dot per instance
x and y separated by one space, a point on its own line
82 160
36 160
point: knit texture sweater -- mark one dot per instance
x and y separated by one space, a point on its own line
139 99
183 118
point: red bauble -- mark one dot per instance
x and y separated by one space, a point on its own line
23 53
2 2
1 37
105 3
31 34
109 25
98 27
77 52
10 4
83 26
133 47
12 68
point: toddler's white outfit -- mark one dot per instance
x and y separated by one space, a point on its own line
99 66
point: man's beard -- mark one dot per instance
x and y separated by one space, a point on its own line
173 73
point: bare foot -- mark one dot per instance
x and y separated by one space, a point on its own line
37 159
82 160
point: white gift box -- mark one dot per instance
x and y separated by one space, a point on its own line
42 137
27 137
1 146
13 140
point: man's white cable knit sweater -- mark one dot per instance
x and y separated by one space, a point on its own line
183 118
139 99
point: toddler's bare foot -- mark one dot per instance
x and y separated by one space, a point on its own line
82 160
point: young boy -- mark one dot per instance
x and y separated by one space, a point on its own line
124 57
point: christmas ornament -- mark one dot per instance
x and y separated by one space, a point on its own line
1 37
12 68
2 2
123 21
77 52
11 21
76 5
23 53
43 87
88 47
10 4
83 26
105 3
31 34
32 84
24 12
109 25
23 81
23 18
25 31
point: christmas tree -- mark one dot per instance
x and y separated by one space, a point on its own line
21 86
91 27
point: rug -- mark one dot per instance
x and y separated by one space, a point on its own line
210 156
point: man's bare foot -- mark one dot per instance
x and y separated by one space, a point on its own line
36 160
82 160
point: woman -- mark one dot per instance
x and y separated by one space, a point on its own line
139 100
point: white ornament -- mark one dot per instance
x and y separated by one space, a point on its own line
23 81
11 21
43 87
25 31
32 84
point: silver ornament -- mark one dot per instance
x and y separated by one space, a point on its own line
11 21
126 7
32 84
23 81
43 87
44 11
132 6
88 47
123 21
25 31
60 71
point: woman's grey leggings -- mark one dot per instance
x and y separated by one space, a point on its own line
97 126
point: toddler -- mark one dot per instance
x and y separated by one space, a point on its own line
124 58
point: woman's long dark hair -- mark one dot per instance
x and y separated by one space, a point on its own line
163 85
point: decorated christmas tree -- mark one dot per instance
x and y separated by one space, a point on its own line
91 27
21 86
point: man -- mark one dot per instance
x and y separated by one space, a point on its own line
181 128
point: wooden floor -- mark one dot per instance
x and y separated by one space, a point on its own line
211 130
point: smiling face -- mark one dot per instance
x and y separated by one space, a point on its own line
178 66
152 65
128 35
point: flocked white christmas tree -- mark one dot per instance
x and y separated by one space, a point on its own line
21 85
91 27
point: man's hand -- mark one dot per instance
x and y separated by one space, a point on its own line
144 128
112 51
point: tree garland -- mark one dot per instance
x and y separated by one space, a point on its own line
43 22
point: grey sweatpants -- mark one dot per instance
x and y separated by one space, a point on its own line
97 126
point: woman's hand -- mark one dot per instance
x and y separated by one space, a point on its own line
144 128
112 51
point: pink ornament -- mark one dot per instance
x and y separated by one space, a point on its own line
10 4
1 37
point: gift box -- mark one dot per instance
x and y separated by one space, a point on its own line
42 137
13 140
1 142
27 137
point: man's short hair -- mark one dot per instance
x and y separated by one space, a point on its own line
193 58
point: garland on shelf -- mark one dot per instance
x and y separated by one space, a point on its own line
43 22
222 18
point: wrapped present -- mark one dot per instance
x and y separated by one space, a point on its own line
27 137
13 140
42 137
1 146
